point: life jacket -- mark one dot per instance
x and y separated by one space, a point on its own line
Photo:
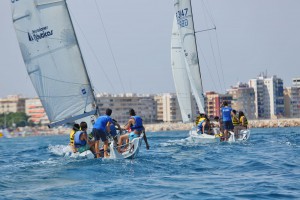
138 125
200 124
72 133
77 142
246 121
197 120
235 121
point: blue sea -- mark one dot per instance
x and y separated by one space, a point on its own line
265 167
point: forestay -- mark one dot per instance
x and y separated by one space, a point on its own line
181 80
52 57
186 29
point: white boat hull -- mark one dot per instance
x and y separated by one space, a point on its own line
131 152
203 138
244 135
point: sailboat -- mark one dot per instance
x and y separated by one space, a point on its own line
54 62
186 71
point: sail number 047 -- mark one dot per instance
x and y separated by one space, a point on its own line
181 17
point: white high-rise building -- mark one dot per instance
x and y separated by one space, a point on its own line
269 99
292 99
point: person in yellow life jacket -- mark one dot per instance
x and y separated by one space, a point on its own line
235 122
199 118
75 128
243 120
234 118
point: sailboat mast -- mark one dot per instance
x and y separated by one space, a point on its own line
84 66
192 18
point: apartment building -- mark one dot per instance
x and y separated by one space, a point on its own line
12 104
144 106
214 102
243 99
36 112
168 108
269 99
292 99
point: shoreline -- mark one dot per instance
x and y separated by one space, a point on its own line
265 123
168 126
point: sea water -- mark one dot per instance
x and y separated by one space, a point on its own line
265 167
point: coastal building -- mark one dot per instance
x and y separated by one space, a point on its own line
167 108
36 112
269 99
292 99
144 106
243 99
214 102
12 104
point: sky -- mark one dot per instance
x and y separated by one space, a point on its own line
130 40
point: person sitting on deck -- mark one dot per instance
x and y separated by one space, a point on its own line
204 125
75 128
135 123
81 140
235 122
243 120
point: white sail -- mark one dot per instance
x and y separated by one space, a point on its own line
52 57
185 23
181 80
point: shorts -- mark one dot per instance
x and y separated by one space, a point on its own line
98 133
132 135
83 148
228 125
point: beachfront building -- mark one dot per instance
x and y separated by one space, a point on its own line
269 99
144 106
214 102
243 99
292 99
36 112
167 108
12 104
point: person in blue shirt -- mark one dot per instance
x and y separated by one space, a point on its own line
100 128
227 121
81 140
135 124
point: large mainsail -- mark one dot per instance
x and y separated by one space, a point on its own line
53 59
181 79
185 23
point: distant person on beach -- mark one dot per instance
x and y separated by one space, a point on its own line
81 140
75 128
100 128
135 124
227 121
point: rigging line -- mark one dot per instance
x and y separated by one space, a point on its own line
98 61
206 64
220 60
214 28
62 81
109 45
211 45
210 15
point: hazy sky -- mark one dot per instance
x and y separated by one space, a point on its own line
252 36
